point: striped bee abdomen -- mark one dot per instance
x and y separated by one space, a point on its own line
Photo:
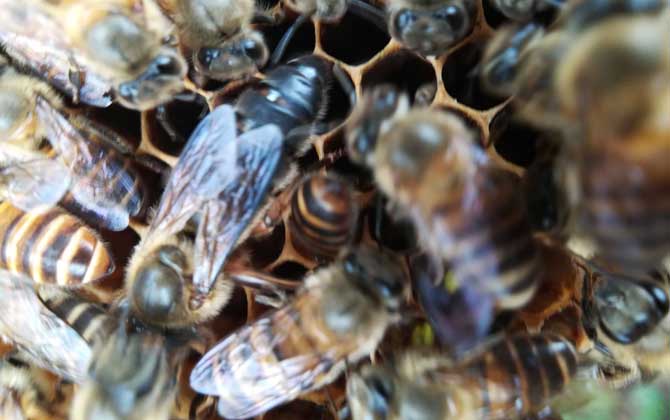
519 374
88 319
486 237
323 216
51 247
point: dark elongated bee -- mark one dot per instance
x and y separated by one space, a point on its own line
52 328
509 378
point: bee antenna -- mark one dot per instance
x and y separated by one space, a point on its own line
279 51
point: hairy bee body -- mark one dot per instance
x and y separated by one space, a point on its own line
512 377
51 247
323 216
473 216
340 315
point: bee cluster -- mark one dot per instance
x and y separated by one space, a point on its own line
384 209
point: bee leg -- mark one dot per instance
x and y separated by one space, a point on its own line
279 300
74 77
370 13
279 51
379 214
164 121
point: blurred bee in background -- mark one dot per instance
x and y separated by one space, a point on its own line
430 27
325 10
338 317
91 163
52 246
130 378
525 10
51 328
499 381
465 208
222 178
219 34
26 393
624 176
116 43
34 40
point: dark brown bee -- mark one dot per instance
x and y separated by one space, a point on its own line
51 327
339 316
34 39
430 27
511 377
219 34
130 378
52 247
323 216
466 209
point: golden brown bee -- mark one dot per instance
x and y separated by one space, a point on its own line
323 216
326 10
621 116
51 328
511 377
218 33
27 393
466 209
222 178
130 378
113 38
430 27
88 162
52 247
339 316
33 39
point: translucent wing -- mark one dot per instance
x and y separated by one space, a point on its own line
249 376
34 39
205 167
31 180
101 182
225 220
46 340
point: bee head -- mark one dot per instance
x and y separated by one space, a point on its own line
377 274
160 81
239 56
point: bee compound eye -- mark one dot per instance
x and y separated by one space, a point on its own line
254 49
157 291
403 20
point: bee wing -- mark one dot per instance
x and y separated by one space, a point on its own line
226 219
92 167
32 37
9 406
205 165
31 180
247 375
40 335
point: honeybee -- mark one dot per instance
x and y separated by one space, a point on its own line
339 316
505 53
34 39
323 216
84 160
624 148
53 329
218 33
130 378
27 394
222 178
52 247
508 378
114 40
430 27
325 10
466 209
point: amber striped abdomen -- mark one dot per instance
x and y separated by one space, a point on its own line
51 247
323 216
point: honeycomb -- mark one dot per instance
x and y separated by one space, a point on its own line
447 82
